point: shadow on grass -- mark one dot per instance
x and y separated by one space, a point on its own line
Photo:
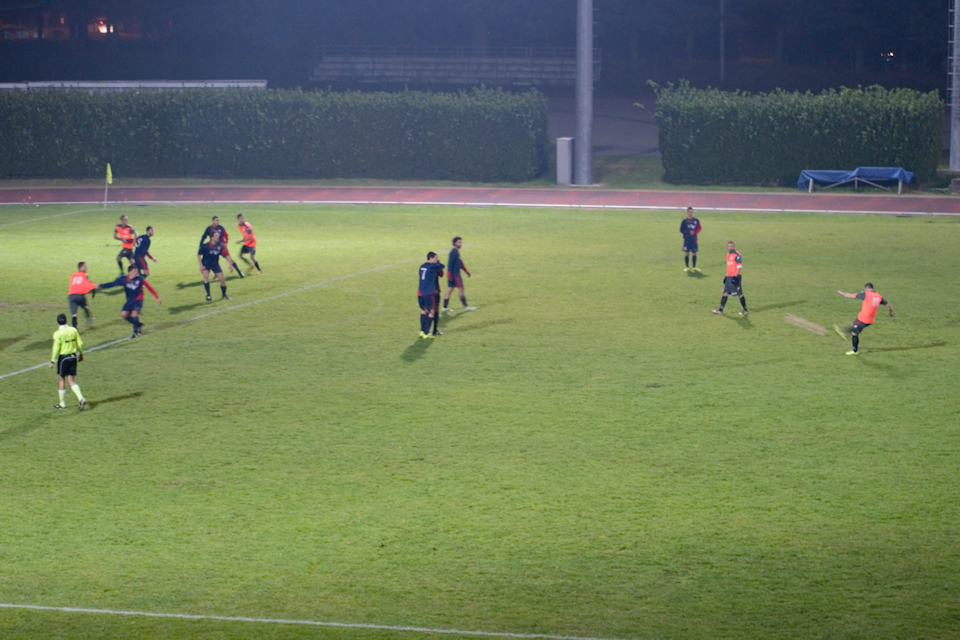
9 342
481 325
39 344
129 396
888 369
187 307
699 275
24 428
417 350
199 283
779 305
919 346
743 321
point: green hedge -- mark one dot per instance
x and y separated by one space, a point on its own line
484 135
712 136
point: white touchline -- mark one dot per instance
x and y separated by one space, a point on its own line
59 215
313 623
236 306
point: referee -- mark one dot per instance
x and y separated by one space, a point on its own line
67 351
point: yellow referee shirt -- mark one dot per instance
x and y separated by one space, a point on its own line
66 341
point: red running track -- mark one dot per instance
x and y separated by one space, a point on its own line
510 197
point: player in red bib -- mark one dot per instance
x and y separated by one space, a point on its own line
732 281
868 313
249 243
80 286
127 235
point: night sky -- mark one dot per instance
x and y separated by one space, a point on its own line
785 42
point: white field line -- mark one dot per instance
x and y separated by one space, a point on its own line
312 623
624 207
234 307
59 215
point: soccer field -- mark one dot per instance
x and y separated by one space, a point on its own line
591 453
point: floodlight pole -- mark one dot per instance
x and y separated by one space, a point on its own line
954 89
583 145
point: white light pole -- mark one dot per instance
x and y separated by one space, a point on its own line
583 145
954 89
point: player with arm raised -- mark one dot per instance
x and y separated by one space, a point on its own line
249 242
215 226
127 235
133 285
209 257
142 252
868 313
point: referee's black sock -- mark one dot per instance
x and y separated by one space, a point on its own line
694 261
723 302
856 342
206 285
686 260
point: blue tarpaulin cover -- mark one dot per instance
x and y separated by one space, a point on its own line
865 174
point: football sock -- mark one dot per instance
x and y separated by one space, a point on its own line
63 395
424 322
856 342
120 264
223 290
76 391
463 299
436 321
723 302
237 267
130 319
257 265
74 322
446 302
206 285
136 324
694 261
686 260
743 302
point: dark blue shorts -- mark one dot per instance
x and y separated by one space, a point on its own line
428 302
134 305
213 267
690 243
141 262
455 281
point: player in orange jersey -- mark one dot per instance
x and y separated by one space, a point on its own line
731 283
80 286
128 236
249 243
868 313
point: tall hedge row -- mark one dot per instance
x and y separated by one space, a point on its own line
712 136
483 135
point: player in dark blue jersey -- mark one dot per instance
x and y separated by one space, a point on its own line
690 227
209 258
454 279
216 227
141 252
133 285
428 292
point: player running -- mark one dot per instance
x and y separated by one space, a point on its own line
209 258
215 226
428 290
690 227
80 286
142 252
127 235
731 283
868 313
249 243
67 352
133 285
454 279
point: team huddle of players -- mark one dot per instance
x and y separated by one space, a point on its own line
68 346
732 284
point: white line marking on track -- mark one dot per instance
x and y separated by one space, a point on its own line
312 623
236 306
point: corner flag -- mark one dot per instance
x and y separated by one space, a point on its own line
109 174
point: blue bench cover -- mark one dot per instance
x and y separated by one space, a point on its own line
863 174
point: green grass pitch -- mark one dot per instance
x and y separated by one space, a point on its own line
591 453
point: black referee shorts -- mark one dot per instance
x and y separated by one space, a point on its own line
67 365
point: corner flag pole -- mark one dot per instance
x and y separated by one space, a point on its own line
107 184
